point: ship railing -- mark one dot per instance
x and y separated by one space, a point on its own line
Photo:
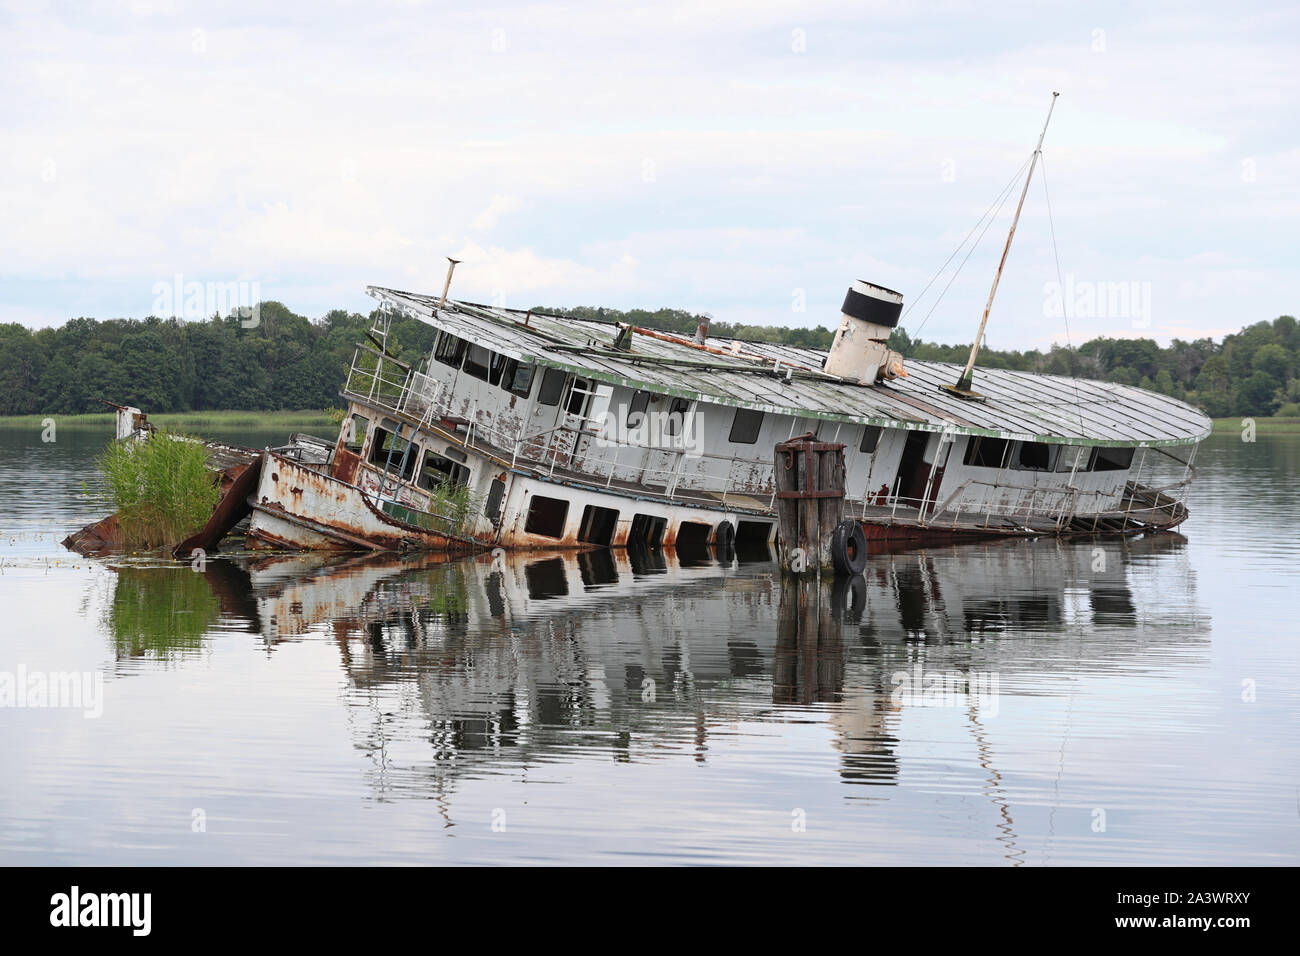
567 451
989 505
579 453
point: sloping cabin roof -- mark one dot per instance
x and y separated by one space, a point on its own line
786 379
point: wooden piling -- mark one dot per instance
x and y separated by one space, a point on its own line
809 502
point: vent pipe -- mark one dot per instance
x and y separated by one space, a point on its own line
702 330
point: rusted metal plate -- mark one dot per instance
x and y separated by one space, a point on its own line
297 507
97 539
238 483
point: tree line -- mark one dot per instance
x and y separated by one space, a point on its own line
287 361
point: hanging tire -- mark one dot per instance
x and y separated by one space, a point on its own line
724 538
848 547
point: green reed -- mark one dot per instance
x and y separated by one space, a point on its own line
161 488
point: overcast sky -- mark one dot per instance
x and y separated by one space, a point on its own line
743 158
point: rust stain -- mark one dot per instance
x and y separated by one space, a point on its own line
345 465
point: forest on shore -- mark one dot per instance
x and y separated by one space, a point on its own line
288 361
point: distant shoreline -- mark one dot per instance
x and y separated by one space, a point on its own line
1263 425
308 418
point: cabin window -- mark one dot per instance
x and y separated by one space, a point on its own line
870 439
546 516
355 434
678 409
450 350
579 395
1111 459
393 453
598 525
498 367
517 379
552 387
1033 456
745 426
636 409
437 471
478 362
986 452
492 509
647 531
1065 460
693 534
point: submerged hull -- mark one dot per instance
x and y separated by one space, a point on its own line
299 508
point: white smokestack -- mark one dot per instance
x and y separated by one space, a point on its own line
859 352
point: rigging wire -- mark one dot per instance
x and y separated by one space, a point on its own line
1065 311
991 215
995 207
1004 196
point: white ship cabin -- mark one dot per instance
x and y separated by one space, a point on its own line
569 432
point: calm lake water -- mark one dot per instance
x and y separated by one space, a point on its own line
1012 703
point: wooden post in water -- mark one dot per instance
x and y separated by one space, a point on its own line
809 502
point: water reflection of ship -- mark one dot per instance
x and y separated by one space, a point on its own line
470 666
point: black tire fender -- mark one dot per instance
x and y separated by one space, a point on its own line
849 547
724 537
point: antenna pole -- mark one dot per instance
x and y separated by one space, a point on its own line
452 268
964 383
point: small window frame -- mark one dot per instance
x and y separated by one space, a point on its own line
477 362
552 388
512 372
358 426
745 426
450 350
455 473
379 454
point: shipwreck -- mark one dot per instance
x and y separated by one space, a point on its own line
568 432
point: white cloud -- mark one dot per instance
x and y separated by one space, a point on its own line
498 207
635 156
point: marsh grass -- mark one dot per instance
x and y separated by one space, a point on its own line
161 488
457 504
450 510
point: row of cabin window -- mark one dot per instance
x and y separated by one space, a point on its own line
747 422
488 366
677 411
1040 456
517 378
494 368
391 452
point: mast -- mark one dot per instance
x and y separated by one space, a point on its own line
964 383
